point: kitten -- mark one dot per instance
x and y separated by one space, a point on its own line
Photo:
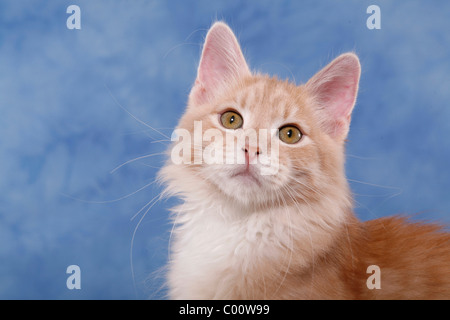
243 234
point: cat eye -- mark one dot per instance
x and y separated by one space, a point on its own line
290 134
231 120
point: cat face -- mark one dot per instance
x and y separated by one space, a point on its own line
260 141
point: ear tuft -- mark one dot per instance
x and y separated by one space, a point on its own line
222 63
334 90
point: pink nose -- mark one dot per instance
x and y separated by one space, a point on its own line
251 153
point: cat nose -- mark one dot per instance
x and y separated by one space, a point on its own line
251 153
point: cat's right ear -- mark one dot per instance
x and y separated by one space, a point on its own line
222 64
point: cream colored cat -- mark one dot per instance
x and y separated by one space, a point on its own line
241 234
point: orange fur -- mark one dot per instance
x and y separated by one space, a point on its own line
413 257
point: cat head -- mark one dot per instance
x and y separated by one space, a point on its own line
256 140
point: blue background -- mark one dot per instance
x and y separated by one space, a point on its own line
64 123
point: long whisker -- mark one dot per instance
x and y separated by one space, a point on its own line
110 201
309 187
359 157
147 204
177 46
134 234
138 158
375 185
132 115
161 141
185 42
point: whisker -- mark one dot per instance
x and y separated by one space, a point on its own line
136 159
375 185
177 46
184 43
147 165
110 201
376 195
160 141
132 115
134 234
147 204
359 157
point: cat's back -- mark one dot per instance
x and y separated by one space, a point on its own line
413 258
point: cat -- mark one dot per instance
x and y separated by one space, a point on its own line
241 234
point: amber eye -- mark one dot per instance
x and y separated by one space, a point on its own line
290 134
231 120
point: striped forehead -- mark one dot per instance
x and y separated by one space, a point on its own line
267 99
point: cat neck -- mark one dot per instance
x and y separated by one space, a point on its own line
227 246
227 241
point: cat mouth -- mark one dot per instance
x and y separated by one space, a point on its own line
247 175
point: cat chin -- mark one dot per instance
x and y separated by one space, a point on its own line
246 192
242 194
204 186
231 187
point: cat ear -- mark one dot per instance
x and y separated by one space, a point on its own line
222 63
334 91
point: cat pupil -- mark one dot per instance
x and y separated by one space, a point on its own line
289 133
232 119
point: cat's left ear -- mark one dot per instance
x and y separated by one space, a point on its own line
334 90
222 64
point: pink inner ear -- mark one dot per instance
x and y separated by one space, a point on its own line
222 63
339 97
334 89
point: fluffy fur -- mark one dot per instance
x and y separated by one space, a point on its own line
292 235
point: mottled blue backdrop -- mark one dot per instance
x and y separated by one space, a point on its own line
69 99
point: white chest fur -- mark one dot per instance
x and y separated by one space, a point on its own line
217 251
